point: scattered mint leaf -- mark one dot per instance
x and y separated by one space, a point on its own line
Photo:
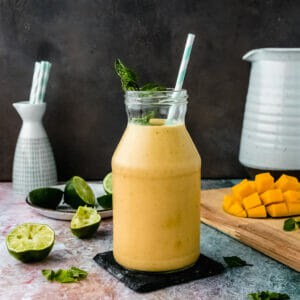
49 274
266 295
298 223
152 87
78 273
235 261
145 119
65 276
289 224
127 76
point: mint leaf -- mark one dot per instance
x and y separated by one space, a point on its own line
235 261
289 224
152 87
129 80
145 119
266 295
65 276
127 76
78 273
49 274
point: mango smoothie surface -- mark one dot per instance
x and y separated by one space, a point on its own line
156 202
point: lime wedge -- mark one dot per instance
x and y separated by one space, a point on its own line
78 192
46 197
85 222
105 201
107 183
30 242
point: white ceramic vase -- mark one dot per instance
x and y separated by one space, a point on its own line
34 164
271 129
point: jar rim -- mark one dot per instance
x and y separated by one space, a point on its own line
169 96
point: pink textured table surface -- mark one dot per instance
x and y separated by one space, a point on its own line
24 281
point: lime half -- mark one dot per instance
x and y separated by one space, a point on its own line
30 242
85 222
46 197
105 201
78 192
107 183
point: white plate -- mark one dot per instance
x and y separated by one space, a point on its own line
66 212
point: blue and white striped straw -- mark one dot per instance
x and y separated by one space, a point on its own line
39 82
34 84
182 70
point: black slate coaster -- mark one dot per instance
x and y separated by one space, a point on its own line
147 282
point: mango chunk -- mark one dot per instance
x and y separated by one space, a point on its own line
243 189
272 196
257 212
277 210
253 185
251 201
293 208
228 201
264 182
242 214
235 209
291 196
286 183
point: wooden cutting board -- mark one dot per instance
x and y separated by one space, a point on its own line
264 235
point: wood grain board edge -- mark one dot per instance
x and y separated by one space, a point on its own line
258 234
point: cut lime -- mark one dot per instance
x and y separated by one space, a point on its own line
107 183
46 197
78 192
30 242
85 222
105 201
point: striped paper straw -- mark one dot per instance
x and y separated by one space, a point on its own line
182 70
44 80
34 83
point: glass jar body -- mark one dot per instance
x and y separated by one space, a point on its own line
156 194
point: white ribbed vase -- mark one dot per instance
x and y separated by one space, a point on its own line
271 129
34 164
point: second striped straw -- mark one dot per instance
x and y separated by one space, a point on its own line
39 82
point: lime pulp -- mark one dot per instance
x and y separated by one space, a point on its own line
30 242
85 222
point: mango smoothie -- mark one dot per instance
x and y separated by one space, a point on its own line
156 198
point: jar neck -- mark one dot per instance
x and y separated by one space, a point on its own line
156 107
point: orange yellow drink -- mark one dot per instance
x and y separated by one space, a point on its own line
156 198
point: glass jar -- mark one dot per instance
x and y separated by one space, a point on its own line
156 185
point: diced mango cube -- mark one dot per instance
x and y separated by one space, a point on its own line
293 208
251 201
242 214
291 196
235 209
264 182
272 196
228 201
257 212
286 183
253 185
243 189
277 210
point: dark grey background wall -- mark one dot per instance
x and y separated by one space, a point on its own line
85 115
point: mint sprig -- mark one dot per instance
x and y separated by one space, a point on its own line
65 276
129 79
235 261
266 295
144 120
